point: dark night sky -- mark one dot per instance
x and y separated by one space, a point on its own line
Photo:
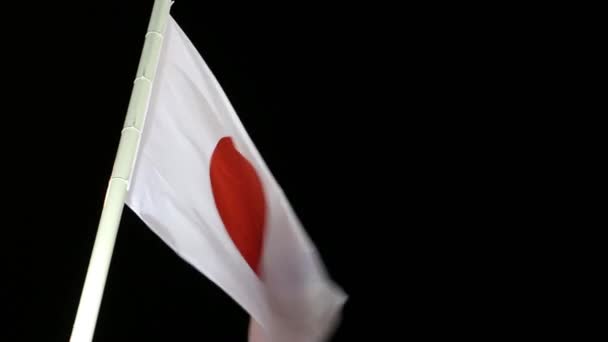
356 110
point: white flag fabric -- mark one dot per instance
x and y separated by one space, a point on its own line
200 184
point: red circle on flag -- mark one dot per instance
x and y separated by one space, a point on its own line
239 198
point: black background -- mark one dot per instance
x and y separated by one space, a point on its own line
364 115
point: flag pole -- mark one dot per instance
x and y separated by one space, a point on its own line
92 291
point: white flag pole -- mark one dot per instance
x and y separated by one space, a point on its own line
92 291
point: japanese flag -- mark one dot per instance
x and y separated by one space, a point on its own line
200 184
